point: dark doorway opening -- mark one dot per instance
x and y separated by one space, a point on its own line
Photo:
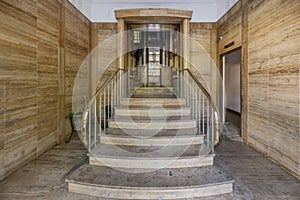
232 82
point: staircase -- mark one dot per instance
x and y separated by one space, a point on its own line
151 145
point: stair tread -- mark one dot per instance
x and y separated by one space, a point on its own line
149 152
152 109
181 121
153 102
158 179
158 99
151 133
143 124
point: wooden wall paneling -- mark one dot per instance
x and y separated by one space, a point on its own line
213 44
61 74
201 33
230 29
32 81
2 106
18 40
77 47
259 21
283 88
48 80
94 44
270 58
244 72
21 131
106 31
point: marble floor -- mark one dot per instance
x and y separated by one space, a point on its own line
255 176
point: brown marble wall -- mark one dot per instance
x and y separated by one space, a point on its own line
270 43
32 39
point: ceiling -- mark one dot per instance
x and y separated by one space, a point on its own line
203 10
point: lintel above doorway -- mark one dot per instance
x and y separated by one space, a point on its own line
148 15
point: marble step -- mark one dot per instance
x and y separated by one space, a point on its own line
152 103
185 183
153 90
128 140
151 157
152 124
153 95
151 132
152 113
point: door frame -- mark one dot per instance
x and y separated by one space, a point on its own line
242 84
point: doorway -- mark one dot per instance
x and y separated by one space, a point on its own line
232 82
153 53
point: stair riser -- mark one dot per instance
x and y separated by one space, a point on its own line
151 133
152 125
153 113
153 90
159 141
137 119
153 96
151 193
141 163
146 103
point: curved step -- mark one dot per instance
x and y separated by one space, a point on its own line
136 157
161 184
151 141
153 124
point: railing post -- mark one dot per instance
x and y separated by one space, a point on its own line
203 112
95 122
100 113
108 101
104 109
207 123
112 99
198 110
212 130
89 129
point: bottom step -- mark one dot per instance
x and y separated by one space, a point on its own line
161 184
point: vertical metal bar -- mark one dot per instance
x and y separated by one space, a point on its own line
89 136
186 92
192 98
198 109
100 113
177 84
181 85
116 91
104 109
95 122
196 106
112 99
128 83
212 131
195 99
203 112
207 123
120 85
108 101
